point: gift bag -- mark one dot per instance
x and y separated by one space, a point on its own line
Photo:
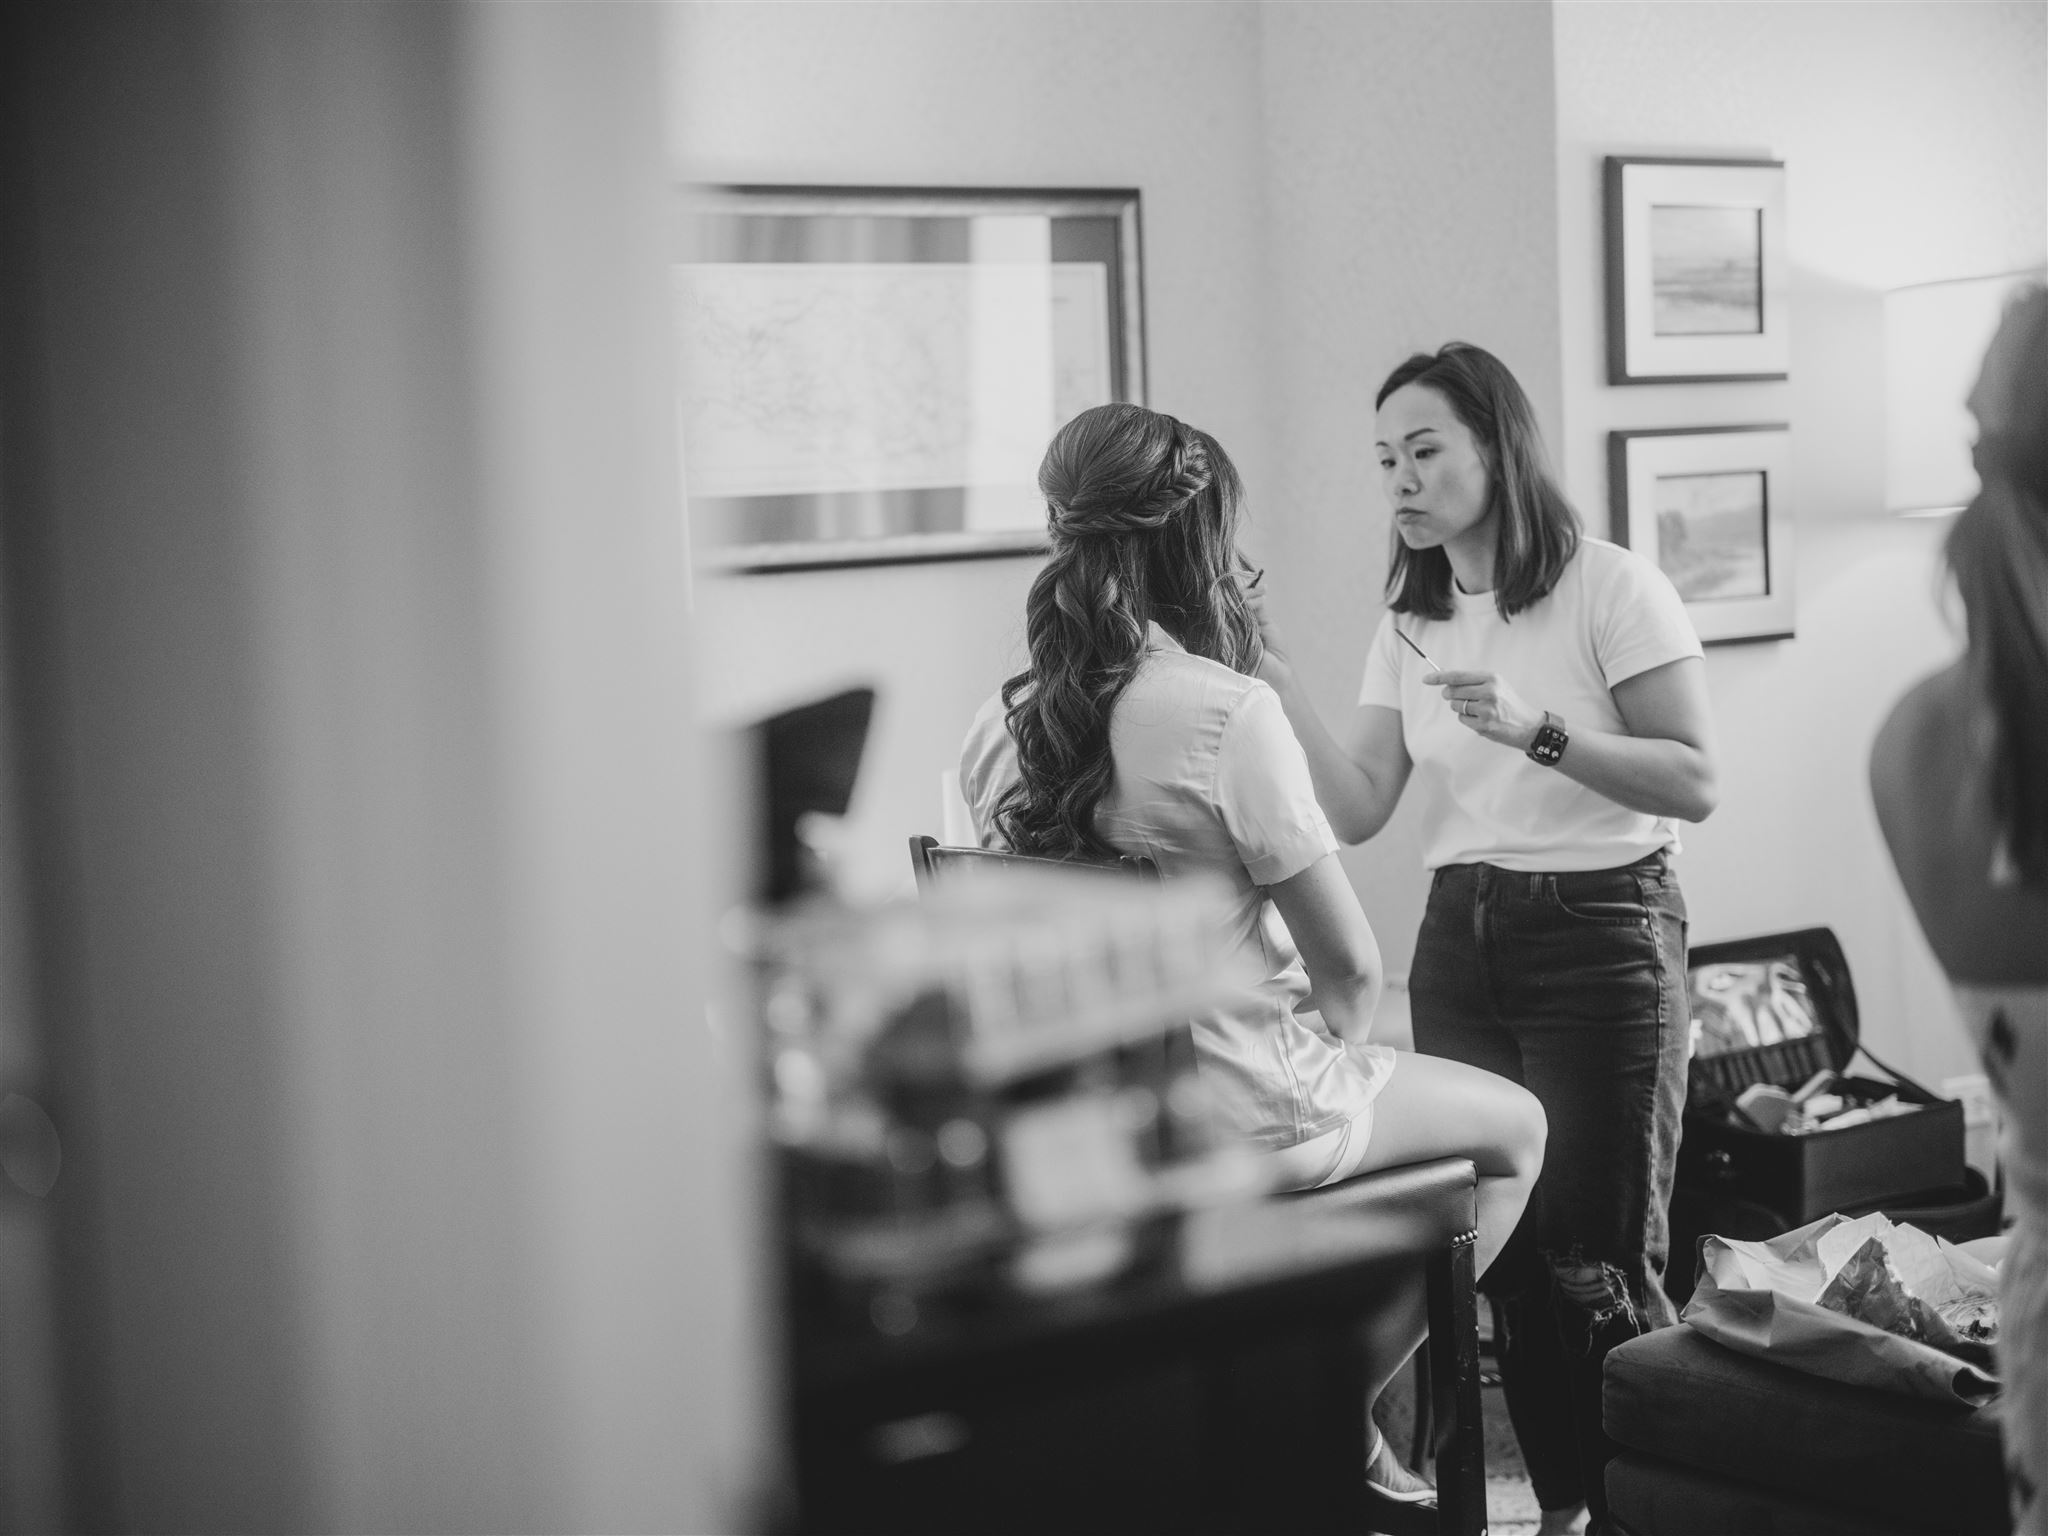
1790 1299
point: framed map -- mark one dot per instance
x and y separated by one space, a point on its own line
872 374
1698 282
1708 506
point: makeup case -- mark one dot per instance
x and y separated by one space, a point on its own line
1778 1010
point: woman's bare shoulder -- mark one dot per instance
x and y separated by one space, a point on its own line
1922 728
1939 697
1927 783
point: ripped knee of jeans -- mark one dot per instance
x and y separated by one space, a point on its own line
1600 1290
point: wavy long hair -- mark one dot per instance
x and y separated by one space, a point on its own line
1536 530
1144 512
1998 553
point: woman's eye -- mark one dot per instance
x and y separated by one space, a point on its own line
1386 464
1425 453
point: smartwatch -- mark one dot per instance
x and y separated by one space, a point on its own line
1551 737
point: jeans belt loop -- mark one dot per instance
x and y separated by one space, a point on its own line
1535 887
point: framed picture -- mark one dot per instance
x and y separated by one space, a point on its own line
1708 507
871 374
1698 285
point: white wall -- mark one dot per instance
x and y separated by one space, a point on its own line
1162 98
1916 142
1409 161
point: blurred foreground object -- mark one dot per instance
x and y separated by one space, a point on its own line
808 759
353 885
1022 1274
984 1090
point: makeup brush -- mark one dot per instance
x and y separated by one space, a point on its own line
1418 650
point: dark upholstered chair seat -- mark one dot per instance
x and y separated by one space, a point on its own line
1717 1442
1410 1209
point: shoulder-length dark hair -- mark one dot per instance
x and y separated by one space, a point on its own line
1536 530
1144 513
1998 553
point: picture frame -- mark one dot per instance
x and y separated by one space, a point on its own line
869 375
1699 285
1710 508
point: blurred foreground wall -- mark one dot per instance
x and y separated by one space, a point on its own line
352 883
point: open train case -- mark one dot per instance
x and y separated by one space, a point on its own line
1779 1009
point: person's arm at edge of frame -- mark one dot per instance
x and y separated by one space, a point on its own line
1338 948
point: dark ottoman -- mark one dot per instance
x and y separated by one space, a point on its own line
1716 1443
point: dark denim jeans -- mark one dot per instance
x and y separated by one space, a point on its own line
1573 985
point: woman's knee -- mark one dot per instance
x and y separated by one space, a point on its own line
1436 1108
1515 1129
1526 1130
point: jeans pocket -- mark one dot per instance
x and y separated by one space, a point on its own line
1599 898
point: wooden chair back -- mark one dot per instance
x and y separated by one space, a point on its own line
930 859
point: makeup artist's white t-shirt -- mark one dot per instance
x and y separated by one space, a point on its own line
1611 616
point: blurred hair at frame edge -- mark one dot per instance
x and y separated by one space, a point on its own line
1997 553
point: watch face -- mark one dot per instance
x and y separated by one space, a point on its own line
1548 747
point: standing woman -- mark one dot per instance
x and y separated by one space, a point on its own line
1548 692
1960 777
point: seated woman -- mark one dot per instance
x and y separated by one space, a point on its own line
1139 729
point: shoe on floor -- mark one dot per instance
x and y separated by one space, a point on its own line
1385 1476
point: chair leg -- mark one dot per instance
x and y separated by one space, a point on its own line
1454 1378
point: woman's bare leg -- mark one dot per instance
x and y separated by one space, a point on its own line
1434 1108
1431 1107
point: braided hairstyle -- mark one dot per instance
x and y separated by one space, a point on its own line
1144 515
1998 552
